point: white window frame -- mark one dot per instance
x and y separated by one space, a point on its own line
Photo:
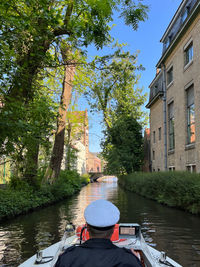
170 70
188 53
191 168
171 168
171 131
190 123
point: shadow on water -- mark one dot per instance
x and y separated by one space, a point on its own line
171 230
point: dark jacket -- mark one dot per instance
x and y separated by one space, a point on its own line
97 252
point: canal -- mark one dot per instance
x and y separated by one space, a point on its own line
170 230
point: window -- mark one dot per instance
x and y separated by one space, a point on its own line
190 116
159 133
169 75
153 155
171 125
185 13
154 90
154 136
167 43
171 168
191 168
188 54
168 40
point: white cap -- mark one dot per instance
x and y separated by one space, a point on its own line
101 213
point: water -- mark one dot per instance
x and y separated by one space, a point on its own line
170 230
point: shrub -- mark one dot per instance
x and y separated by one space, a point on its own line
19 197
17 184
85 178
175 189
70 177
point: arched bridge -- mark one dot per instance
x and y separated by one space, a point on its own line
94 176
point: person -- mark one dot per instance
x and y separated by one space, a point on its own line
98 251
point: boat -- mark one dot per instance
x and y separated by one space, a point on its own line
126 235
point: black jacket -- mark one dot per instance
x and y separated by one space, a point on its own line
97 252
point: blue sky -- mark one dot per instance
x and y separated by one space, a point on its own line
147 40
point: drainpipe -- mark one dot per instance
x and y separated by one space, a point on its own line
165 116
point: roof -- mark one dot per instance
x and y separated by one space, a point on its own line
180 33
178 11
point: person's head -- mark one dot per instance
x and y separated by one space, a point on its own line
101 216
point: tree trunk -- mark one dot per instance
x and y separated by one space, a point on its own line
68 159
32 164
53 170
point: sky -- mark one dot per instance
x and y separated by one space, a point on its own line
146 40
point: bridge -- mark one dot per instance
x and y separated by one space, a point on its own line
94 176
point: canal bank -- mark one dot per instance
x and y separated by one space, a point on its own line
21 198
174 189
171 230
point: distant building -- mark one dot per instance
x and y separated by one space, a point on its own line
94 163
77 141
77 137
174 100
80 161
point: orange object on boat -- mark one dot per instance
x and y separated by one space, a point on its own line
85 233
86 236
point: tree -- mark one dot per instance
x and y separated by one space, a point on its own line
75 76
75 127
29 28
123 147
115 93
58 147
36 127
30 36
114 89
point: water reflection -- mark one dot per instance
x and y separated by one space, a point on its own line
171 230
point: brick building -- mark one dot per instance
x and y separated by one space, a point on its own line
94 163
174 100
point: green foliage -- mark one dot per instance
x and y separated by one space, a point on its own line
115 93
175 189
71 156
70 177
16 183
75 124
32 34
114 87
123 148
85 178
19 197
24 136
30 29
4 170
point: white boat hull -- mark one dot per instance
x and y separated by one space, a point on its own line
151 256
